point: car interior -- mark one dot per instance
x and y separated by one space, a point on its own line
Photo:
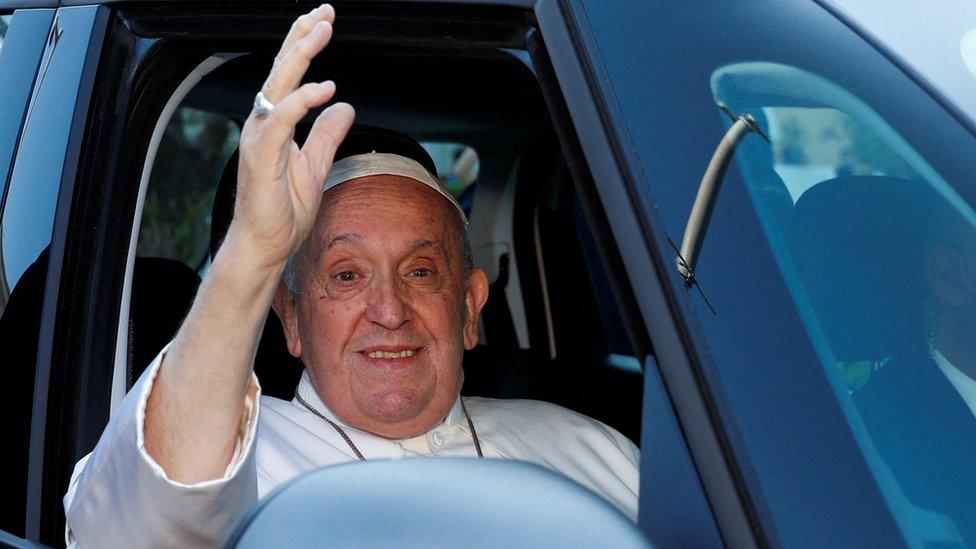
552 328
853 246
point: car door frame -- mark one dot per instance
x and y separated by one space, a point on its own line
597 123
42 13
80 31
607 162
71 51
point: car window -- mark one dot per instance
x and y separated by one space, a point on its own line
937 41
4 25
866 207
192 154
24 237
879 255
814 144
191 157
174 242
457 168
457 164
11 121
837 267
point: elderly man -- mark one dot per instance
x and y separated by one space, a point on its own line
379 300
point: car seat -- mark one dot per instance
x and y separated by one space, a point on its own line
860 247
162 292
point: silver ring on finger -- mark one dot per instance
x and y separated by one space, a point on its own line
262 107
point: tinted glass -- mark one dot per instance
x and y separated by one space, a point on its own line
4 27
21 41
839 262
27 218
879 255
22 269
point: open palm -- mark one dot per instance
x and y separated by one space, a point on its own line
279 184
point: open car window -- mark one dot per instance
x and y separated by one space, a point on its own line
500 168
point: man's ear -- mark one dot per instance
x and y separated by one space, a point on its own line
284 306
474 300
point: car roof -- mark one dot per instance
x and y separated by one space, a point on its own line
934 42
17 4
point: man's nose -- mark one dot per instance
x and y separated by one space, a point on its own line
387 306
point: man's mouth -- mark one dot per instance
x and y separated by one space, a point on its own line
391 354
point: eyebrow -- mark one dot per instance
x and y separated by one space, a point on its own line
344 238
429 245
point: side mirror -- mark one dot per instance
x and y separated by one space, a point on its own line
434 502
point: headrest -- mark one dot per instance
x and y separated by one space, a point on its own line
860 245
223 205
162 292
363 139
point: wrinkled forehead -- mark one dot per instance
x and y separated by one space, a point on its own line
386 208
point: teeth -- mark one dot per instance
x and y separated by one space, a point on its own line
387 354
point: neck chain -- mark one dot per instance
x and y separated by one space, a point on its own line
359 455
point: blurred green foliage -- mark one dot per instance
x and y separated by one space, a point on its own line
189 162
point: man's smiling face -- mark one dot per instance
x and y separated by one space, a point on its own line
384 309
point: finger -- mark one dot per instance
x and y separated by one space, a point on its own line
288 73
277 129
304 25
328 131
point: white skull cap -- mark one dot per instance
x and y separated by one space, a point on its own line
375 163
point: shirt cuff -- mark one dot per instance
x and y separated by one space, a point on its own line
119 493
248 427
245 433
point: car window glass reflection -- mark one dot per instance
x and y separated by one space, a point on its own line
4 288
879 254
4 25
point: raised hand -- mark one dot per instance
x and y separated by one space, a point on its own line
194 411
279 184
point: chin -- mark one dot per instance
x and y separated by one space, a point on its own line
396 406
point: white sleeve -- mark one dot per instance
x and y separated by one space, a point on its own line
119 496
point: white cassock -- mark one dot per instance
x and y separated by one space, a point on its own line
120 497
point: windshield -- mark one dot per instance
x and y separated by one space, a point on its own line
936 40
